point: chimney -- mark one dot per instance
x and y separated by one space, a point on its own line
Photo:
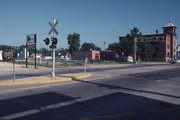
156 31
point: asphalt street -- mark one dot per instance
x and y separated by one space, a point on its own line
22 72
127 92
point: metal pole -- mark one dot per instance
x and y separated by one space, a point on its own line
85 66
35 50
135 40
53 66
14 74
26 55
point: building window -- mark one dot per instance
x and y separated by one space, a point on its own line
174 31
168 54
168 46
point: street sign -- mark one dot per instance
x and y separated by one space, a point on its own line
30 39
53 29
31 43
31 46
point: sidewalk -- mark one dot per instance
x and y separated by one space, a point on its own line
45 79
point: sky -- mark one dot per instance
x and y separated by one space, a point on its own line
97 21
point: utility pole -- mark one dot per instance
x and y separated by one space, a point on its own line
135 41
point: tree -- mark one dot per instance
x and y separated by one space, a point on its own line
127 44
114 47
21 48
145 50
89 46
74 42
62 51
5 47
45 51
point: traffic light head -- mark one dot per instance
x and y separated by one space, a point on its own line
47 41
54 41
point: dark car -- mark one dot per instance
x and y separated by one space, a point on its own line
121 59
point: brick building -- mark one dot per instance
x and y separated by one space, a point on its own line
81 55
163 43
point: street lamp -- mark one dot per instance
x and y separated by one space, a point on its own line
135 40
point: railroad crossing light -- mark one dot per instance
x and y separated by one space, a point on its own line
47 41
54 41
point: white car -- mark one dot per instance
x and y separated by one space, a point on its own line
174 61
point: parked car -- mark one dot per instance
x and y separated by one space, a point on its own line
121 59
174 61
6 55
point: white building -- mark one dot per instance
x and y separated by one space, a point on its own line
178 51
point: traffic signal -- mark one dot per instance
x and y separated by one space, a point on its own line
47 41
54 41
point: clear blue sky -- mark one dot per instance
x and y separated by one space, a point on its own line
96 21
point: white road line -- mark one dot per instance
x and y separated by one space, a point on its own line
45 108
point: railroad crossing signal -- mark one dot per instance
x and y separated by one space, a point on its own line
47 41
53 29
53 43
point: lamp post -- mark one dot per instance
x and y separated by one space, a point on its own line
135 40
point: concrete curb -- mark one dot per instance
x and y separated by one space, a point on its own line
45 79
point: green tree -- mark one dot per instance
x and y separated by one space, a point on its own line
45 51
89 46
5 47
62 51
74 42
21 48
127 43
145 50
114 47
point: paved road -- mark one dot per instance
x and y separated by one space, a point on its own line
140 92
21 72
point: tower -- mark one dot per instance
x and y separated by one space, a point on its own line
170 36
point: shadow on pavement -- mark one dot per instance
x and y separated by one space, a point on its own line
124 88
113 106
36 101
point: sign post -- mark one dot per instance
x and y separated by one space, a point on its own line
31 43
14 74
26 55
85 65
135 40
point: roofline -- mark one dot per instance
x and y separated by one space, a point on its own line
169 27
160 34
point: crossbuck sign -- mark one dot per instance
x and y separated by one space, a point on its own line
53 29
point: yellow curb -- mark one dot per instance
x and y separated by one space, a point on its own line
77 75
46 79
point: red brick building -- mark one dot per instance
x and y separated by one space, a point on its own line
81 55
164 43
